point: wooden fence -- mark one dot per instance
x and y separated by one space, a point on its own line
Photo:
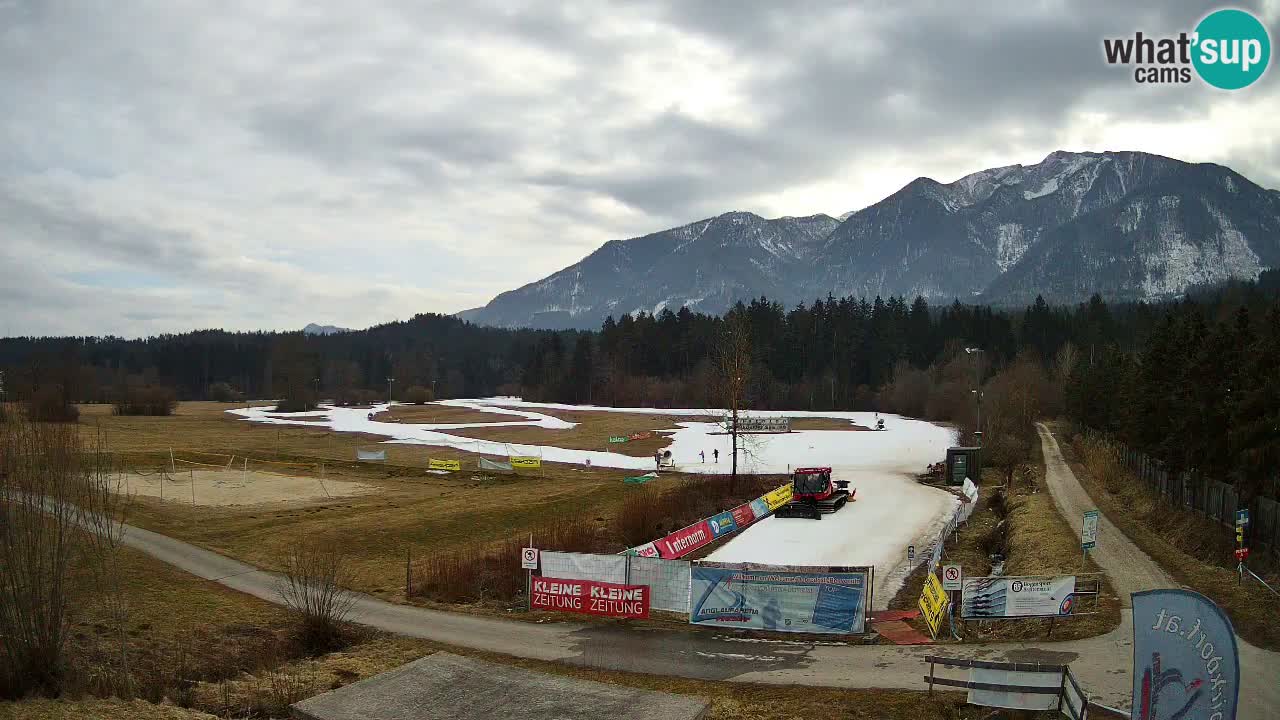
1213 499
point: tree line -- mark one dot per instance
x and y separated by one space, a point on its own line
1188 382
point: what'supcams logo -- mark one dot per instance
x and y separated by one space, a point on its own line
1229 49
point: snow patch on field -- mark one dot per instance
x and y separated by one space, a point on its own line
890 511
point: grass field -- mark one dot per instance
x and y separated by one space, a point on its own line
442 414
408 511
592 431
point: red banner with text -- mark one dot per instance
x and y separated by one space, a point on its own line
590 598
684 541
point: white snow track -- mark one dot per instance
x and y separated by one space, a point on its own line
890 510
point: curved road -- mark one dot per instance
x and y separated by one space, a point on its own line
1103 668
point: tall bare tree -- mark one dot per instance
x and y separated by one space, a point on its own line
732 355
60 525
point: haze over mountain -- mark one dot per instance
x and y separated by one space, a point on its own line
1128 225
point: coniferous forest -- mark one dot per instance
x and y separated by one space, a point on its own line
1193 382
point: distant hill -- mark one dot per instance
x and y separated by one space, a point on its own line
314 329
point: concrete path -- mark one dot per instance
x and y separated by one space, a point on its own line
1130 570
1102 664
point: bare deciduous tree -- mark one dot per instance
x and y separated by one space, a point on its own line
313 587
60 525
732 355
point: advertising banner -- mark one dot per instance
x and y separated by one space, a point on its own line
933 603
618 438
784 600
1009 597
435 464
760 508
685 540
518 461
1013 699
759 424
589 597
648 550
371 454
777 498
486 464
722 524
743 516
642 435
1185 661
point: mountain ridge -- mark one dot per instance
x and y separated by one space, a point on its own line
1126 224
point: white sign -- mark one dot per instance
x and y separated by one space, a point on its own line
1025 596
911 553
951 577
529 558
1089 531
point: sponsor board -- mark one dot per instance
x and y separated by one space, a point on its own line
618 438
435 464
519 461
933 603
743 516
589 597
722 524
783 600
648 550
685 540
759 424
1017 596
1185 659
777 498
371 454
760 508
642 435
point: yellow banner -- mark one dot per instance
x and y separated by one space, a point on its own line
525 462
435 464
933 603
779 497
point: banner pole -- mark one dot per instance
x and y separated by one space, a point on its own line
528 584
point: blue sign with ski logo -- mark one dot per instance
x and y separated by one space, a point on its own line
1185 662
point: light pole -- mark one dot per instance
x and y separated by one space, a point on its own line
389 381
433 390
977 391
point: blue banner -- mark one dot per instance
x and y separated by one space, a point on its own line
784 601
722 524
1185 663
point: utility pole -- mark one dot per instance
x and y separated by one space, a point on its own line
389 381
977 391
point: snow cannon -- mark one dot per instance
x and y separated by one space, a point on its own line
814 493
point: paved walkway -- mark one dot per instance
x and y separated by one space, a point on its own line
1131 570
1103 664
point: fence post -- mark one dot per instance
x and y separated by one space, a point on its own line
408 571
930 674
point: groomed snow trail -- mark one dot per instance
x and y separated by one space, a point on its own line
891 510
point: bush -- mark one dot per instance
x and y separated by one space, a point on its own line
301 402
49 404
154 400
315 575
223 392
417 395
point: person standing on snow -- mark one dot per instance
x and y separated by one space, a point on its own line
715 454
702 456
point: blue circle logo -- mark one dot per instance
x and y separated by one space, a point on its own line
1232 49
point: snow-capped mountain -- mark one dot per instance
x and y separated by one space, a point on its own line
1126 224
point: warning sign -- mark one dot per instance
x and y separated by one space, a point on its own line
933 603
952 577
529 558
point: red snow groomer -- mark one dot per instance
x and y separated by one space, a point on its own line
813 493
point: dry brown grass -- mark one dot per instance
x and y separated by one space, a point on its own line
1023 524
442 414
592 432
1194 551
808 423
97 709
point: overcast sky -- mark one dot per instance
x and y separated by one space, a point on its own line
251 164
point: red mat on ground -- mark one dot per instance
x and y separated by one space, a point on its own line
900 633
886 615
